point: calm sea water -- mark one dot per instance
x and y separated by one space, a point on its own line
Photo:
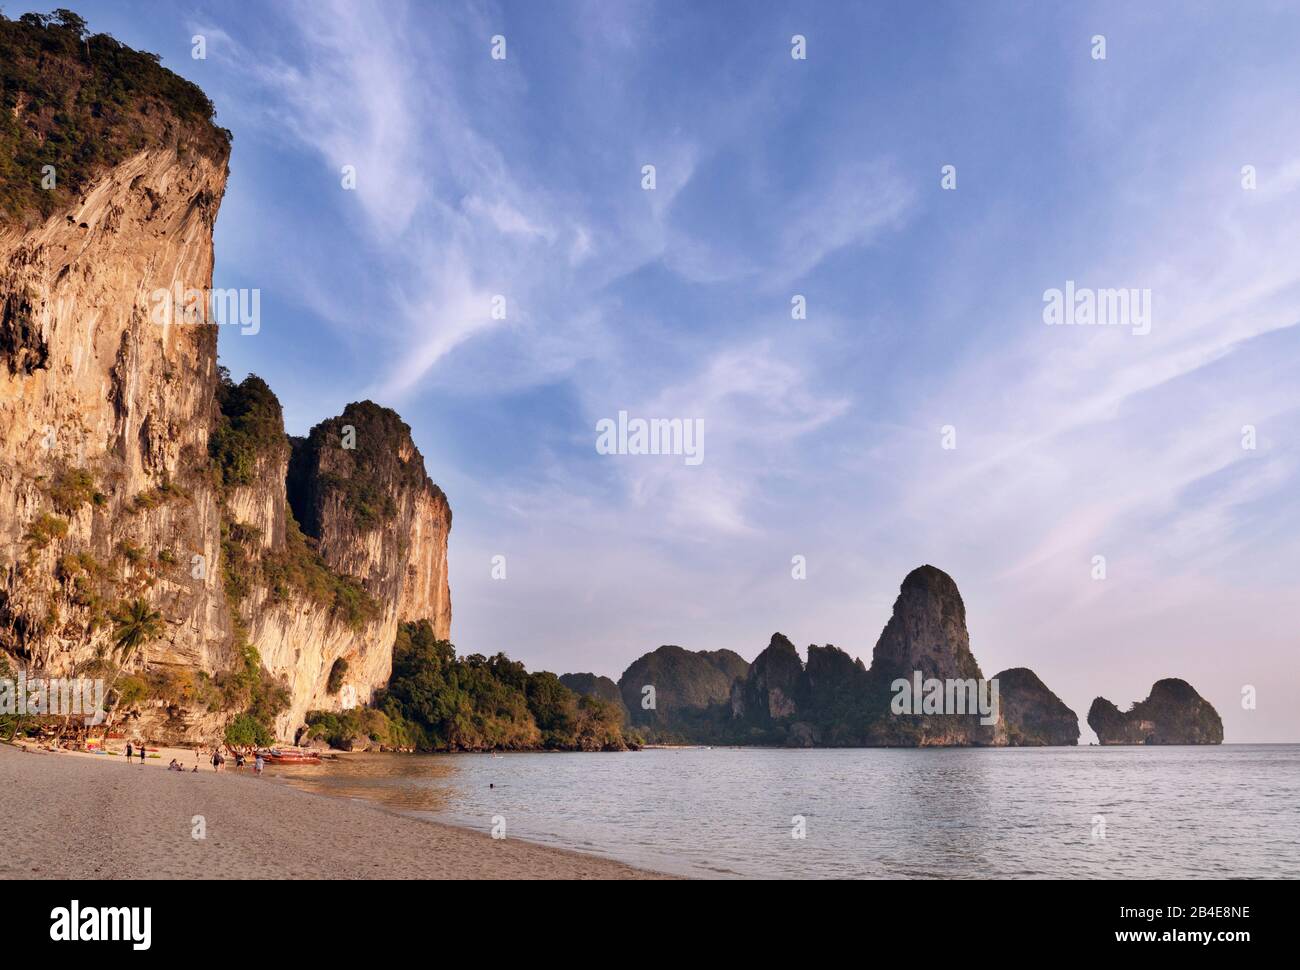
1201 812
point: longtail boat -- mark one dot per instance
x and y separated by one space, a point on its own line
289 756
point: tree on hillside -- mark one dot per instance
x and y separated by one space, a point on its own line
246 734
134 625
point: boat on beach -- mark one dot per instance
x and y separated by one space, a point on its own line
289 756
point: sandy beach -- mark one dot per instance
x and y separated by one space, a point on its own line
74 816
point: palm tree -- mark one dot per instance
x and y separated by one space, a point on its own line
134 625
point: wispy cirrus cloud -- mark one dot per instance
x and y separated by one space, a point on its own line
754 408
521 178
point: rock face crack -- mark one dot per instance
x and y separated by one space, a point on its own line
22 345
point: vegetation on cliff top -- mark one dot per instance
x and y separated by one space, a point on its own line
436 701
82 103
359 457
250 425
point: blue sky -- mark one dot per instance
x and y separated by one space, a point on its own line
776 177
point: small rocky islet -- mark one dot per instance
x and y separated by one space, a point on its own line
1173 713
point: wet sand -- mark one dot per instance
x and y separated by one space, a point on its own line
75 816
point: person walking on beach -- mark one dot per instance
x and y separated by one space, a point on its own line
142 756
216 760
128 752
258 763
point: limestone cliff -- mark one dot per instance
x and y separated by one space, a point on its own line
1031 714
358 485
369 512
689 690
104 418
926 631
835 685
773 688
131 469
833 700
784 701
927 635
1173 713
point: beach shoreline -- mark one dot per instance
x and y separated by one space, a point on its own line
70 818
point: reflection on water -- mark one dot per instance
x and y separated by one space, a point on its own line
1227 811
403 783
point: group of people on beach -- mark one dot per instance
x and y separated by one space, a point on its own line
218 760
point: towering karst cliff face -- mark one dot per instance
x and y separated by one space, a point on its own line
927 630
104 417
1173 713
357 484
925 634
370 553
130 469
